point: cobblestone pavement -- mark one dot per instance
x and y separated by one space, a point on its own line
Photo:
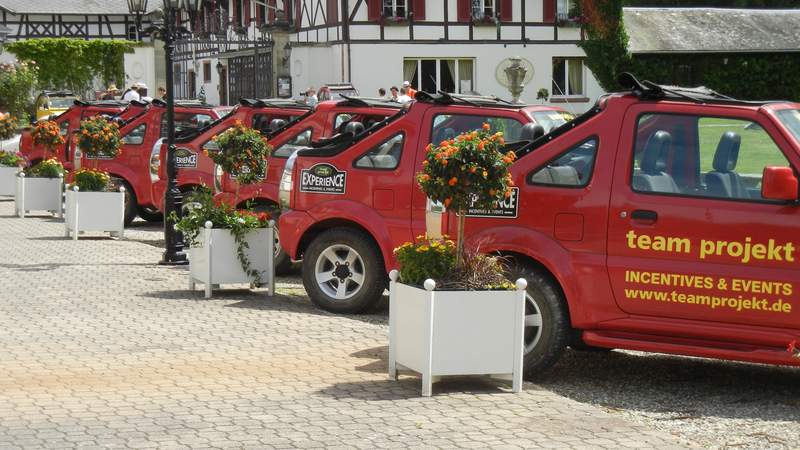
103 348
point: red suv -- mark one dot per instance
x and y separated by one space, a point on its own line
69 121
132 167
664 219
196 169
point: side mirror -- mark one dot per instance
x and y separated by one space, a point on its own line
779 183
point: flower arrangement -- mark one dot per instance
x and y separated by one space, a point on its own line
243 153
465 172
91 180
8 126
47 134
222 215
9 159
98 137
49 168
542 94
393 20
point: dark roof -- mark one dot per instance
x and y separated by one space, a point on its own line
81 7
711 30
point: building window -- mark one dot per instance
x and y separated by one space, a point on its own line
394 8
482 9
433 75
206 71
132 34
238 13
565 9
261 13
568 77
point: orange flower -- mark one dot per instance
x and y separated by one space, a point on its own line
481 145
453 181
486 126
492 192
473 169
424 177
508 193
447 202
425 162
444 162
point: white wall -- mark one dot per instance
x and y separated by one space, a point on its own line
140 68
318 65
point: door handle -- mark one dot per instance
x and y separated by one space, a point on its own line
644 215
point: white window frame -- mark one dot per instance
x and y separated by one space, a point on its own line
567 60
394 4
479 6
456 75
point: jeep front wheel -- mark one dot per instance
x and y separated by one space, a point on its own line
547 328
343 271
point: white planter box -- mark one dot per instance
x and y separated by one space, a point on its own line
214 261
8 180
39 194
95 211
437 333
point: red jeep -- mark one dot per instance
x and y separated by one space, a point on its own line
132 167
194 168
664 219
69 121
328 119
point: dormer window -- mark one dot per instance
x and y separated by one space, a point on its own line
395 8
484 9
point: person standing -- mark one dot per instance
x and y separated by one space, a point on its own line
132 93
311 97
381 93
410 91
110 93
403 97
324 93
141 88
162 93
394 93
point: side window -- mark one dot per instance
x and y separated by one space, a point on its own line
711 157
340 120
63 127
385 156
185 121
302 139
446 126
135 136
263 122
572 168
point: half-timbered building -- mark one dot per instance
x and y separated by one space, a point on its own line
451 45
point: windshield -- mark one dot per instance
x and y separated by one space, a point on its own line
551 119
791 120
59 103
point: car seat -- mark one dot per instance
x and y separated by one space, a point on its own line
276 124
723 181
651 176
354 128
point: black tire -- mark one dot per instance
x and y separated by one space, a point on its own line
283 264
131 205
544 344
369 264
151 214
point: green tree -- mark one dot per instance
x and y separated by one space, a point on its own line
17 82
66 63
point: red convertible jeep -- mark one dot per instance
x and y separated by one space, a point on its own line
196 169
664 219
69 121
131 168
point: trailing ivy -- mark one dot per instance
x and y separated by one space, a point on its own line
606 43
66 63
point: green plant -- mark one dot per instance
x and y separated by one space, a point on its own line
243 153
49 168
9 159
542 94
8 126
17 82
74 63
47 134
91 180
468 171
98 137
606 43
425 258
222 215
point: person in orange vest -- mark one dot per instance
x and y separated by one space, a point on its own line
411 92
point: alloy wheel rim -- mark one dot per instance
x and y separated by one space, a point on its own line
533 323
339 272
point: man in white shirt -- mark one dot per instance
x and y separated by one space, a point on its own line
403 97
141 88
132 93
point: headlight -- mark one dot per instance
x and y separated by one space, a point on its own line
286 187
218 174
155 161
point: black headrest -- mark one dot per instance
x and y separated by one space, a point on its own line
655 152
727 152
531 131
276 123
354 128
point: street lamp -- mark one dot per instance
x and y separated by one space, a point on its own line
173 199
138 7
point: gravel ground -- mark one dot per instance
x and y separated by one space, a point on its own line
710 403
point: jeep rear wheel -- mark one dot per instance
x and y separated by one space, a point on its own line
343 271
547 329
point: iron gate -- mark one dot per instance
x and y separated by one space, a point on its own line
250 76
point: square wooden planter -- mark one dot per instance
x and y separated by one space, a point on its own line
39 194
440 333
95 211
214 261
8 180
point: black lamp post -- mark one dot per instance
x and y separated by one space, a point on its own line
173 199
137 8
